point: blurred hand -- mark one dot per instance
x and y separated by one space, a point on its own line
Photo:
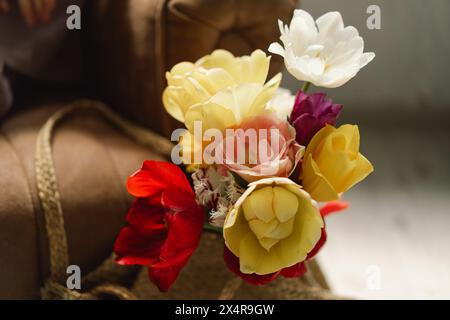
33 11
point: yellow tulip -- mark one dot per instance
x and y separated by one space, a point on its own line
332 163
273 225
219 89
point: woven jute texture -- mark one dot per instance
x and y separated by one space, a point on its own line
205 277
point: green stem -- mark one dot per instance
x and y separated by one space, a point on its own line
306 86
210 228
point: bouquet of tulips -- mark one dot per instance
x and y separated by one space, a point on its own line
256 160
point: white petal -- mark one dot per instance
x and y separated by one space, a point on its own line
316 66
366 58
305 16
330 23
347 34
336 77
314 50
276 48
346 52
281 27
295 66
303 32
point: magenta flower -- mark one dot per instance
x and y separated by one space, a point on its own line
311 113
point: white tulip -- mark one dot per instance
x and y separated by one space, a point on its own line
323 52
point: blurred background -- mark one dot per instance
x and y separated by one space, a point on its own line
394 240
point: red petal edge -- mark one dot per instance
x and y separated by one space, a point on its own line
332 207
155 176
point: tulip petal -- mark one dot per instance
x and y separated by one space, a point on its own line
139 245
315 183
362 169
253 69
155 176
351 132
260 204
233 264
297 270
283 230
235 229
265 95
262 229
183 237
210 115
217 59
318 138
250 254
285 204
319 244
329 23
276 48
366 59
332 207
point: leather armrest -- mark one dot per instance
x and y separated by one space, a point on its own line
92 162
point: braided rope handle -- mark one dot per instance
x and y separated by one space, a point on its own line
47 186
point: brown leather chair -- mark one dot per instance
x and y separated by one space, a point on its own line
127 47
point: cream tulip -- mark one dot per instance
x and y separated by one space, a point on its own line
273 225
219 90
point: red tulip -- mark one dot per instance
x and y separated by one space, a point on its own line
164 223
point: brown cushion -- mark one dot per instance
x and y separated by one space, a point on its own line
92 161
133 43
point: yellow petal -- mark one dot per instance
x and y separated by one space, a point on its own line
218 59
259 204
315 183
351 133
235 229
268 243
285 204
307 232
180 69
266 94
250 254
213 80
253 68
336 167
362 169
317 139
211 116
283 230
173 104
262 229
240 100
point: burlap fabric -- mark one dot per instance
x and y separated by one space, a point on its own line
205 277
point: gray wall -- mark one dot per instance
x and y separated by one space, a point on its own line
411 72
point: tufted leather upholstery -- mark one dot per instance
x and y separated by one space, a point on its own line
152 36
128 45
